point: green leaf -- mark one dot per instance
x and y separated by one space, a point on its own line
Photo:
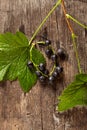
14 55
75 94
13 49
37 56
27 79
3 70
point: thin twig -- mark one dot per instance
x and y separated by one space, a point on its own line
65 12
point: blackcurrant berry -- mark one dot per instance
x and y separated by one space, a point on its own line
55 74
51 80
59 69
38 73
54 57
49 52
42 67
62 54
30 65
47 42
46 72
42 79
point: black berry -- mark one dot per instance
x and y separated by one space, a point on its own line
62 54
59 69
54 57
30 65
38 73
55 74
47 42
42 67
51 80
42 79
49 52
46 72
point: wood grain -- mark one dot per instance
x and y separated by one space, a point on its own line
37 109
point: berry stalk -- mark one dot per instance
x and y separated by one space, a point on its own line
76 21
41 42
76 52
44 20
33 44
73 37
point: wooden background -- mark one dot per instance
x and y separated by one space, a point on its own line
37 109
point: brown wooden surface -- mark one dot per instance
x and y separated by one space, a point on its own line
37 109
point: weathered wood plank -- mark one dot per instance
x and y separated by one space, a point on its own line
37 109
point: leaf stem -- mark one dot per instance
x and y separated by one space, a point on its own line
76 52
44 20
76 21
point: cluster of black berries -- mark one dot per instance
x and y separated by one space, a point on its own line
42 73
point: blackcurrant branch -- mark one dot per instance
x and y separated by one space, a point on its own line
70 28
